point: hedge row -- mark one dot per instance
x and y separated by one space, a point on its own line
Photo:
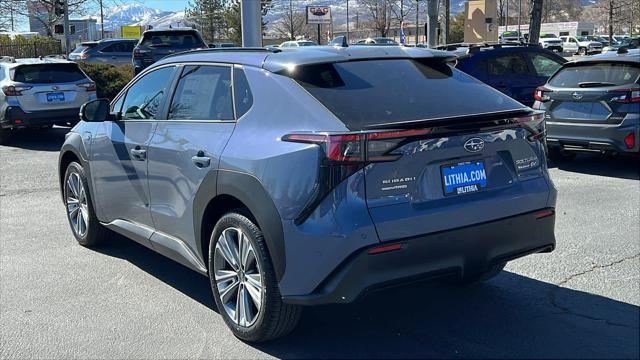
109 79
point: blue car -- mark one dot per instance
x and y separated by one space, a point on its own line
312 175
514 70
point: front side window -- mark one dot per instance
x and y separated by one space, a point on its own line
144 98
544 65
203 93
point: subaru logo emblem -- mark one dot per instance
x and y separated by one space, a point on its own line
474 145
576 95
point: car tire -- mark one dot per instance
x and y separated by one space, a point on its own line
582 51
272 318
4 136
79 208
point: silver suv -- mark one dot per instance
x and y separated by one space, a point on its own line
39 93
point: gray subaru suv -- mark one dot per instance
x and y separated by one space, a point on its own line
312 175
593 105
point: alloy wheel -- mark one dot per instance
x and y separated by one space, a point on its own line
77 208
238 277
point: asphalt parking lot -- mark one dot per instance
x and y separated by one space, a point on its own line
60 300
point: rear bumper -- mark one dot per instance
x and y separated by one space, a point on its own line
15 117
464 252
591 137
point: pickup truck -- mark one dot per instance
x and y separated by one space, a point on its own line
581 45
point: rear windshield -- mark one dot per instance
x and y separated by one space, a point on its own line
48 73
592 74
82 48
367 93
171 39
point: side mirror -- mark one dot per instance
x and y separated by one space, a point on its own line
96 111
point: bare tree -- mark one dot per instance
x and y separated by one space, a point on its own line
380 14
46 8
291 25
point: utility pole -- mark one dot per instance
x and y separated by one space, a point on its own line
506 20
11 16
67 30
101 20
417 21
432 21
447 20
519 15
291 20
251 20
347 37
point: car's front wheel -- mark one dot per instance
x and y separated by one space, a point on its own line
582 51
83 221
244 283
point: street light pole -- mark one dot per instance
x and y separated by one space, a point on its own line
101 20
67 39
519 15
347 21
417 21
251 23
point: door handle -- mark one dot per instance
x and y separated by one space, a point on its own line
200 160
139 154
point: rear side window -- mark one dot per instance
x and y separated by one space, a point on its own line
203 93
243 95
507 65
367 93
48 73
82 48
596 74
544 65
124 47
171 39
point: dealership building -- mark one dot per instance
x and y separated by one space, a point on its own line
571 28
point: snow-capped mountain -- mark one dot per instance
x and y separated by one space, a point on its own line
138 14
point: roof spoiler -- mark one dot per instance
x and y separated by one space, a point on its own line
339 41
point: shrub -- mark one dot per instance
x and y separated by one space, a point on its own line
109 79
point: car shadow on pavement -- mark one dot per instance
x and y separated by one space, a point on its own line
39 139
624 167
185 280
511 316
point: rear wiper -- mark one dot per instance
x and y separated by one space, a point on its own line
588 84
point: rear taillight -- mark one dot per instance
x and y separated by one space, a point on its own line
358 147
139 53
84 55
541 94
630 141
14 90
89 86
627 96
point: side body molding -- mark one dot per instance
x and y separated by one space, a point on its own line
248 190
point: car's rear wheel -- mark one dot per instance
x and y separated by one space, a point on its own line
84 224
486 276
582 51
244 284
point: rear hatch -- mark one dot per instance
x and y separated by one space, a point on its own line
593 92
51 86
440 150
158 44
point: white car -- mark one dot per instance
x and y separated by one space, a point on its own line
580 45
297 43
38 93
551 42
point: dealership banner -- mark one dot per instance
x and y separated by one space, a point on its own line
318 15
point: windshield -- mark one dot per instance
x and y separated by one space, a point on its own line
548 36
306 43
366 93
582 38
172 39
384 41
48 73
605 73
